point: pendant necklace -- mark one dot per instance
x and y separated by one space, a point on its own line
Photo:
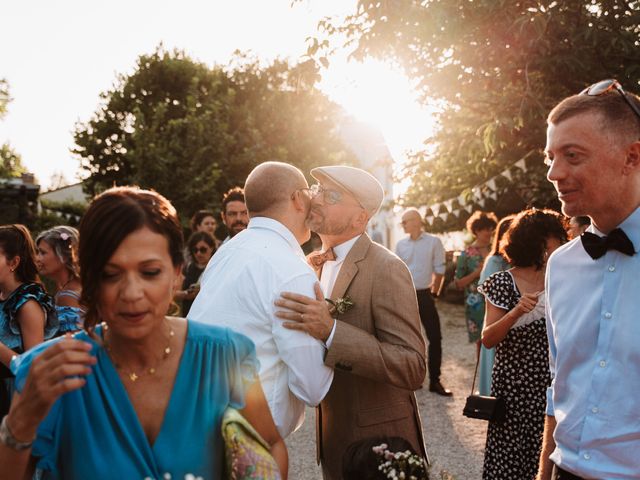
132 375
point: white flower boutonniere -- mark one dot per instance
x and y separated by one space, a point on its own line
341 305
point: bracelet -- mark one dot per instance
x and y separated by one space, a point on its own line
7 438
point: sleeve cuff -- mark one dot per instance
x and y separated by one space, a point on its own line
550 411
329 341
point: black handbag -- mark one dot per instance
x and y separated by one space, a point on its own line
484 407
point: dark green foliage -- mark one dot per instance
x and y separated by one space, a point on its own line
191 132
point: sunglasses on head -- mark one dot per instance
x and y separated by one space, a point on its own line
605 86
200 250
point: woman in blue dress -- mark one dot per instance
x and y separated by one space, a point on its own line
494 262
136 394
27 317
57 259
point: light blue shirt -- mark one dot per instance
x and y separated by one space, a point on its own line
424 257
593 323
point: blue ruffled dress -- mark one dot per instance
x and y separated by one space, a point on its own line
94 432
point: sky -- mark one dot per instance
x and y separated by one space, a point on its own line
58 56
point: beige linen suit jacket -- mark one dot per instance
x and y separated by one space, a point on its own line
378 353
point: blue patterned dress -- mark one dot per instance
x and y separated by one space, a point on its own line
10 334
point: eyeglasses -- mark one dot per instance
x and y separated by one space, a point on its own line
200 250
330 197
604 86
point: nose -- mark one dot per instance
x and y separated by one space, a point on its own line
556 171
132 289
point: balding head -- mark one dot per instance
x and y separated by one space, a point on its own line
269 187
412 222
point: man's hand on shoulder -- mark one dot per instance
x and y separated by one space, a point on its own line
306 314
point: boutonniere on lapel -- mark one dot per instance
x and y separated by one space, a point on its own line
340 305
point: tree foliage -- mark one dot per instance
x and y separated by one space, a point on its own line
498 66
10 162
190 131
4 97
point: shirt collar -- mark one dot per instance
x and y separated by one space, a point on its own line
341 251
630 226
275 226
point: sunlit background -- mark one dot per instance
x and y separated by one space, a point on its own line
58 57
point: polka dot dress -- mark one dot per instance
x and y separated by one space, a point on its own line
520 376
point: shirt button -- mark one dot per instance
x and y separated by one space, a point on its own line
603 363
608 315
612 268
594 409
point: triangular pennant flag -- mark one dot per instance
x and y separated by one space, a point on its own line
456 213
521 164
507 174
444 216
494 195
491 183
481 202
429 220
423 211
477 193
462 200
448 204
469 207
435 209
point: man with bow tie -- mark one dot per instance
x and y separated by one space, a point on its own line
592 428
372 328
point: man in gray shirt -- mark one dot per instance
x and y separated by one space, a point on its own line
424 255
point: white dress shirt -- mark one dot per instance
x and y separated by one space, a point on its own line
331 268
238 290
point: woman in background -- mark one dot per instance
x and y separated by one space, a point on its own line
515 325
205 221
201 247
481 226
494 262
57 259
27 314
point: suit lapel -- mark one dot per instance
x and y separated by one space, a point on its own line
349 268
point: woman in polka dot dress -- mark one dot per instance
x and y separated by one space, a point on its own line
515 325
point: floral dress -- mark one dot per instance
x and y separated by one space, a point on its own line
468 261
10 334
521 377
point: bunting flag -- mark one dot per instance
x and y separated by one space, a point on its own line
461 200
444 216
507 174
429 220
456 212
477 193
482 202
494 196
492 184
469 207
448 204
521 164
435 209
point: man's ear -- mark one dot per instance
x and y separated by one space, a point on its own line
632 161
300 201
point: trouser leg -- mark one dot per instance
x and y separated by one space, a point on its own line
431 322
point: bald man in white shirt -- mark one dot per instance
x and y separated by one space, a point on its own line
247 274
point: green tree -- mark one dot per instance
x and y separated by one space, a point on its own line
10 162
497 67
190 131
4 97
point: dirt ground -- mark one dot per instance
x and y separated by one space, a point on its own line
455 443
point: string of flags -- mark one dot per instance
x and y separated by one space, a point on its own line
479 195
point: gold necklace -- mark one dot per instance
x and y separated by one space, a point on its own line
133 376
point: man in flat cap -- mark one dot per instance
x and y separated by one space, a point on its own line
372 332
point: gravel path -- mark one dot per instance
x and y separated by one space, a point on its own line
455 443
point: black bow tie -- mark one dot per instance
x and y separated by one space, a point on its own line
597 246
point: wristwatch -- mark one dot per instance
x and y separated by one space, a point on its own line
7 438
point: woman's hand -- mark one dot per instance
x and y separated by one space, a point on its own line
58 370
526 303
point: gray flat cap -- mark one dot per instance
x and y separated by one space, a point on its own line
362 185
